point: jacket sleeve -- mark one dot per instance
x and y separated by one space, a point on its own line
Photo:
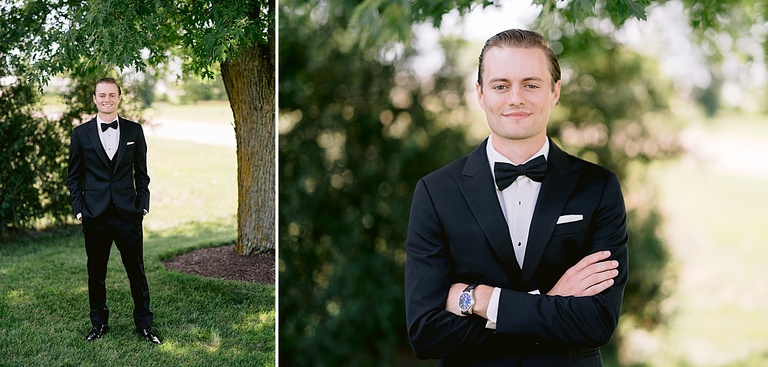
141 174
75 173
433 331
576 321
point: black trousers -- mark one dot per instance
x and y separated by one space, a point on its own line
127 235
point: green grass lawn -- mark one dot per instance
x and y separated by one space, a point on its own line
191 183
716 228
203 322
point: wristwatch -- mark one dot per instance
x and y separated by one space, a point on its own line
467 299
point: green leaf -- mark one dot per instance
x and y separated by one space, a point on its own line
635 9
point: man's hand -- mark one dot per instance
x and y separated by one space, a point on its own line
588 277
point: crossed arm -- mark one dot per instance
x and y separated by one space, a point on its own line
590 276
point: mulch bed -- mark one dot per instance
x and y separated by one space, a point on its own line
224 263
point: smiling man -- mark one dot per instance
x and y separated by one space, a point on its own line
109 188
516 253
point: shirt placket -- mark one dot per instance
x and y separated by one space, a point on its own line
521 218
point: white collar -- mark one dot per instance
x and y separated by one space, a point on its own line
495 156
100 121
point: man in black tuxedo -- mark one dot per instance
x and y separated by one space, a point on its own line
516 253
109 188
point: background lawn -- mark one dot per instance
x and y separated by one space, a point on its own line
203 322
714 201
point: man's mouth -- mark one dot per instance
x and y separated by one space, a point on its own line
516 114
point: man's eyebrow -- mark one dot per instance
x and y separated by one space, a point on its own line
495 80
526 79
533 79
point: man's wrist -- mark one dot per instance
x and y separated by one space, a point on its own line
483 295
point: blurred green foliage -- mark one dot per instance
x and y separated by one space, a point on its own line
356 137
196 89
32 161
374 22
358 129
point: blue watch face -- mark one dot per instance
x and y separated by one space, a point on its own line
465 301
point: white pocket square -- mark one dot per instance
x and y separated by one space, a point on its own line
569 218
130 142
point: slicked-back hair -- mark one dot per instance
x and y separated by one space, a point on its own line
520 38
108 81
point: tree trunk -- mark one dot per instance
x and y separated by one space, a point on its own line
250 85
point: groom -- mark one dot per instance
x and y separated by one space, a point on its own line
109 188
516 253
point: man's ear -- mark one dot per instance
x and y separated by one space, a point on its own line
479 90
556 93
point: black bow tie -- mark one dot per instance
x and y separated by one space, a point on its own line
112 124
507 173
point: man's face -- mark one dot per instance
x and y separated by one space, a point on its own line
517 94
106 98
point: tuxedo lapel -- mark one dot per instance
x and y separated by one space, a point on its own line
93 135
555 191
125 131
476 184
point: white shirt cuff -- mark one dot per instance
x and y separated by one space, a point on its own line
493 307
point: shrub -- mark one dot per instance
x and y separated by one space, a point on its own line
33 157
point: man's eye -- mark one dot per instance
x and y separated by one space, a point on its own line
532 86
499 87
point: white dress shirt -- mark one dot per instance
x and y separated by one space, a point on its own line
517 203
110 138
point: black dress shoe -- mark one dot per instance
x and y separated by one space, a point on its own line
96 332
149 335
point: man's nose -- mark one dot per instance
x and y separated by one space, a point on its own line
516 97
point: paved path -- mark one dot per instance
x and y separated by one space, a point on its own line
199 132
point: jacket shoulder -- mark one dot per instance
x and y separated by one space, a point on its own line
589 166
446 172
84 126
591 172
127 122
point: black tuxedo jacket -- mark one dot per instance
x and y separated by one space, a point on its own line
93 185
457 233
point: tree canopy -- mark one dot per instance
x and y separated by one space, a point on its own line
62 36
